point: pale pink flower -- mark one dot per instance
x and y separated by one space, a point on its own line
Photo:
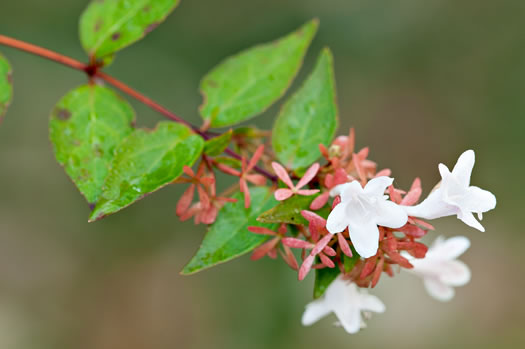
284 193
245 176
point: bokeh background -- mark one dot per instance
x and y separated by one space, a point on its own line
421 81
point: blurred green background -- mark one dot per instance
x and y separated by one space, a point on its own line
421 81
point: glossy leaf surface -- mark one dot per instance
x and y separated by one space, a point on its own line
308 118
107 26
86 126
146 161
229 237
246 84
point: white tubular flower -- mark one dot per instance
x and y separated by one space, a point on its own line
362 210
440 269
455 195
346 301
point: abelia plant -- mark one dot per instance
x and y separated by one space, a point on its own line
315 201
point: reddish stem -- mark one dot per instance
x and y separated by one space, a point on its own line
42 52
92 70
147 101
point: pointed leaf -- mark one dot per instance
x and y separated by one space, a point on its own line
144 162
217 145
323 279
229 236
308 118
226 160
289 211
108 26
246 84
6 85
86 126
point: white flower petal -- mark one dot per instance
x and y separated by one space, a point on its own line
337 219
438 289
426 267
315 311
478 200
343 298
391 215
432 207
463 168
372 303
440 270
350 318
449 249
347 301
377 186
455 196
365 237
350 191
469 219
444 172
338 292
338 189
455 273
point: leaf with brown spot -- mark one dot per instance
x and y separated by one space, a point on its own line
144 162
85 128
109 26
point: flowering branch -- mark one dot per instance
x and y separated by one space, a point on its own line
345 220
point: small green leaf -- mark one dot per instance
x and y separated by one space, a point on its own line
86 126
226 160
349 262
249 132
146 161
246 84
308 118
323 279
6 85
288 211
217 145
229 237
107 26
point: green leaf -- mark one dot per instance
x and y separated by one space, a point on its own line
229 237
250 132
217 145
107 26
246 84
226 160
288 211
86 126
323 279
146 161
349 262
308 118
6 85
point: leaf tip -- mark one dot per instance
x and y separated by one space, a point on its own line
309 28
185 272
